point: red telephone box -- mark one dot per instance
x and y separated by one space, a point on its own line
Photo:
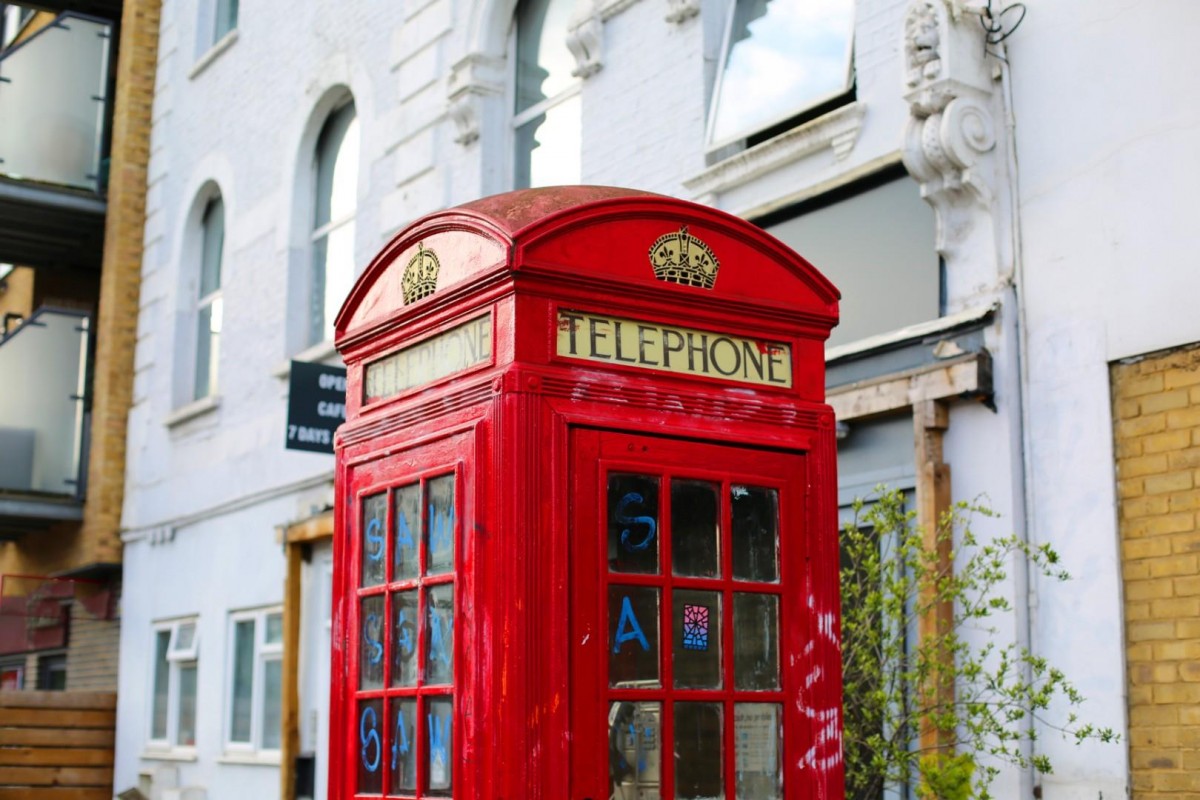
586 544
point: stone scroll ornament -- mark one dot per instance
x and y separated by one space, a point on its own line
950 139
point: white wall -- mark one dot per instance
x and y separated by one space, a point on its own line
1105 167
229 562
1106 110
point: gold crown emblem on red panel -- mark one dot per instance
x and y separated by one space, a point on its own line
420 276
682 258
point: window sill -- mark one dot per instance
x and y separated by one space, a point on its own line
178 754
213 53
838 130
192 410
251 759
320 353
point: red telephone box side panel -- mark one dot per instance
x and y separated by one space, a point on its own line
821 700
425 574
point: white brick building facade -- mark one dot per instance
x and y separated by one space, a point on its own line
1059 252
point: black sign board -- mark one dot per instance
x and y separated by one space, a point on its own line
316 406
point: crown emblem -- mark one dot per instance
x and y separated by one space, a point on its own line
682 258
420 276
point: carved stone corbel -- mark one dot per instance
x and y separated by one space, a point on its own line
680 10
585 40
472 80
950 138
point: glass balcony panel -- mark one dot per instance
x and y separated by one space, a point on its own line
52 98
43 369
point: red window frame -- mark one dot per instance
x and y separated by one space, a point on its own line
387 478
597 455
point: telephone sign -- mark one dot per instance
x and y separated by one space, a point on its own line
586 532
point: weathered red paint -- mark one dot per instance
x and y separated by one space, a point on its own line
528 433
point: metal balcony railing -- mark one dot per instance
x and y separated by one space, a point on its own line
53 104
43 425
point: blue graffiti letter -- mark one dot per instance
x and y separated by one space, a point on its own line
403 534
404 636
437 638
628 619
375 654
400 746
375 539
441 533
624 519
439 755
369 737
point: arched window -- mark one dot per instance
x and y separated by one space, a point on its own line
335 200
547 116
209 306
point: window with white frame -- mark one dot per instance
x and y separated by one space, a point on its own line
209 305
335 167
548 113
779 59
173 698
254 708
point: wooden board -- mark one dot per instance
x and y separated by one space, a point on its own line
56 776
55 757
102 701
57 737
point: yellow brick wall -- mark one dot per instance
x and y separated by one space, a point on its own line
1156 406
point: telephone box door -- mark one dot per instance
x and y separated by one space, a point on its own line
405 544
689 561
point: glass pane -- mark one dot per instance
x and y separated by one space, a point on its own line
755 534
698 751
408 532
440 525
544 63
227 11
404 639
635 757
404 746
439 644
374 539
370 659
185 735
158 720
783 56
697 639
370 746
208 348
185 635
318 331
337 167
633 633
439 718
338 275
633 523
548 147
758 735
695 531
243 681
756 645
274 629
213 241
272 725
56 98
